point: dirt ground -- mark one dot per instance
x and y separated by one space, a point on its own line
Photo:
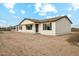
26 44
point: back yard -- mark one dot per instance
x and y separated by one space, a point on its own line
24 44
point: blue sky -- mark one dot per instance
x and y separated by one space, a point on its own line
14 13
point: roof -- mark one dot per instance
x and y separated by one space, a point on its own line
33 20
54 19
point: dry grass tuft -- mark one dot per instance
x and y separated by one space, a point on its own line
1 32
74 39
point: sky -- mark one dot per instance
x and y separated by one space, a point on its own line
13 13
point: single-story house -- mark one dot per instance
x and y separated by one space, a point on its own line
53 26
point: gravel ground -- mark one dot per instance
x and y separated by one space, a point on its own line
26 44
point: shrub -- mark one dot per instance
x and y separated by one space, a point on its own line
74 39
1 32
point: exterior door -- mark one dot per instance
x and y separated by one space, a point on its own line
37 27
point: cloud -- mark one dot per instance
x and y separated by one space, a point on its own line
58 15
2 21
29 5
52 16
49 16
75 6
23 11
12 11
9 5
69 15
17 17
43 9
49 8
37 7
70 9
42 14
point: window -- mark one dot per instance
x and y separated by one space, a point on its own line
20 27
47 26
29 27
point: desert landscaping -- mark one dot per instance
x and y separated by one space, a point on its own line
27 44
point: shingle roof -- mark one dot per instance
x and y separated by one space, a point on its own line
56 19
46 20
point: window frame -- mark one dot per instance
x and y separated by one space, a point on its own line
20 27
28 26
47 26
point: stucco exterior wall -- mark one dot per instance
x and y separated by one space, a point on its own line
60 27
16 29
63 26
47 32
27 31
23 28
26 22
31 31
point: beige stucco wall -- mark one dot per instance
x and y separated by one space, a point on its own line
63 26
16 29
27 31
27 22
47 32
59 27
33 29
23 28
24 23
